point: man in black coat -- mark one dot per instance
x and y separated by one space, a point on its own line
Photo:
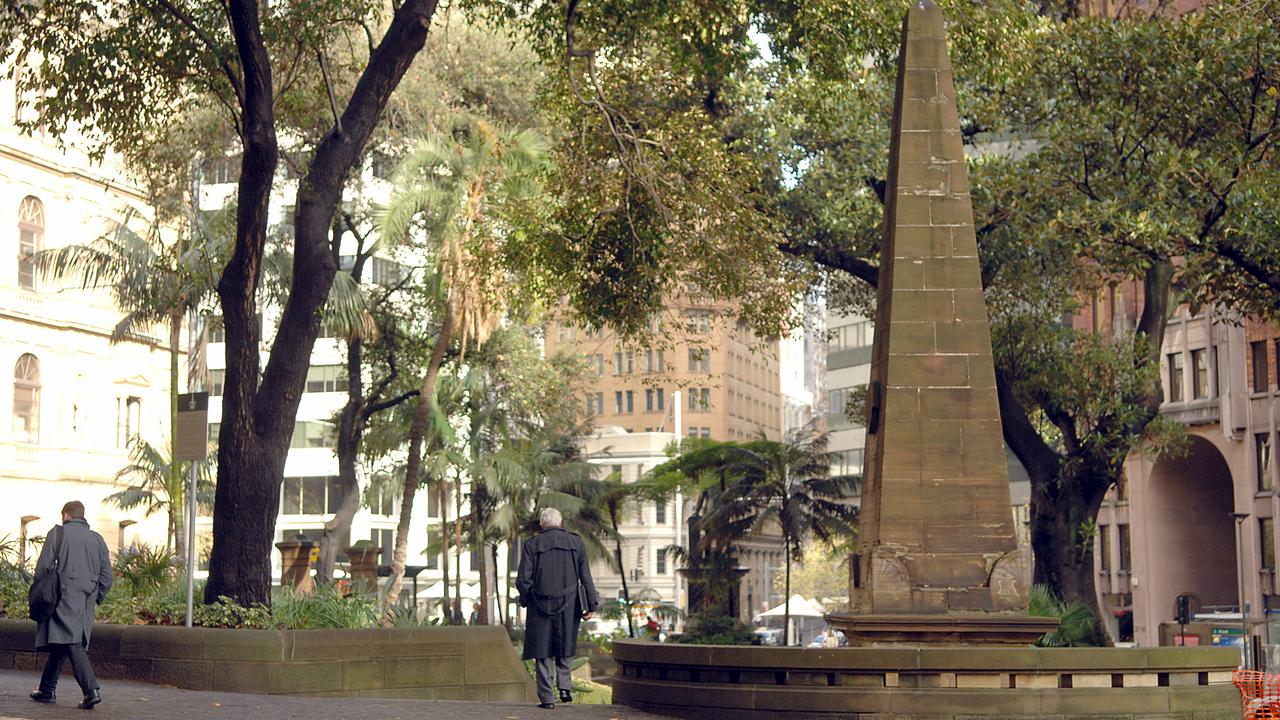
554 582
84 575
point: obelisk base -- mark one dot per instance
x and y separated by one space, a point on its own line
988 629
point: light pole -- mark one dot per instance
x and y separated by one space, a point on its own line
1240 517
124 524
22 539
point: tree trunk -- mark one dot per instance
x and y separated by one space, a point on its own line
478 547
786 600
258 421
417 433
458 618
622 571
445 615
349 432
497 589
1062 539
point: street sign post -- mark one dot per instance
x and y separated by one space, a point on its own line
192 443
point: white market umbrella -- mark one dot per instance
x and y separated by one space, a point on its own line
800 607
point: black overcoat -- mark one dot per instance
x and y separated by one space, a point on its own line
552 565
86 576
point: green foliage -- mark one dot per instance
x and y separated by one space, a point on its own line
326 607
715 630
1077 626
143 569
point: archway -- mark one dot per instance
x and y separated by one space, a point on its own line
1191 542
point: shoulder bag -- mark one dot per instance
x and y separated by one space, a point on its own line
46 591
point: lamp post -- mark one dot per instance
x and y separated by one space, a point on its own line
1240 517
22 538
124 524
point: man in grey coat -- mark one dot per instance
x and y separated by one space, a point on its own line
85 576
554 582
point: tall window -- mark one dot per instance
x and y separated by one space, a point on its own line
1258 354
649 404
26 399
310 495
699 360
1267 533
128 420
217 379
660 563
30 238
1126 560
1199 374
660 512
1262 459
1175 377
617 402
1104 547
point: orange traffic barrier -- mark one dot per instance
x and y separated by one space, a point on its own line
1260 693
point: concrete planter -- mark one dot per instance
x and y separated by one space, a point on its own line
446 663
938 683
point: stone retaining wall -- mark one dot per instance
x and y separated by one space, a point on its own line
446 663
938 683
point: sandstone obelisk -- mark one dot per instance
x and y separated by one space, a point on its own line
937 557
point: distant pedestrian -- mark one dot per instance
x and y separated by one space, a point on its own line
554 583
84 577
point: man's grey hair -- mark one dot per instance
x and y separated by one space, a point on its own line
550 518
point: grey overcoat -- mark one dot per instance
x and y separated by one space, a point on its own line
86 576
551 567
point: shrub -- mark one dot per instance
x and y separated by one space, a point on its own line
716 630
327 607
1076 622
143 568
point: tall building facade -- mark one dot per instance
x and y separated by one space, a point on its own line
72 400
848 371
715 381
727 380
311 493
1168 529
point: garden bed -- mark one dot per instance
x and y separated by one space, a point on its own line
444 663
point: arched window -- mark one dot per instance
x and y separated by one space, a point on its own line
26 399
30 238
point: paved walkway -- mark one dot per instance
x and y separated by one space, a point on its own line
135 701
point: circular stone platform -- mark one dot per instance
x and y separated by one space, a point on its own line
939 683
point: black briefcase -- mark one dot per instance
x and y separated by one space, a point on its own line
46 591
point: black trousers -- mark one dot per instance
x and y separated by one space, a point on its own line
58 654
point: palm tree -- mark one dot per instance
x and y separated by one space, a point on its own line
788 483
461 192
153 283
150 470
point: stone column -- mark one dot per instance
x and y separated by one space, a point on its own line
364 565
295 563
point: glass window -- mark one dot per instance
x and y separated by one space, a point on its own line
291 496
1199 374
1175 377
217 379
660 512
1104 547
30 238
660 562
221 170
705 433
386 540
649 404
662 399
1262 460
699 360
631 401
326 378
1125 558
1267 534
312 434
26 399
617 402
1258 355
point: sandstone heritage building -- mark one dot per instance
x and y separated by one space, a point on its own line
71 401
706 377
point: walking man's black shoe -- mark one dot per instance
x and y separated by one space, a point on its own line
93 698
566 696
547 706
41 696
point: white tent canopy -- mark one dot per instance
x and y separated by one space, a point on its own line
799 608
